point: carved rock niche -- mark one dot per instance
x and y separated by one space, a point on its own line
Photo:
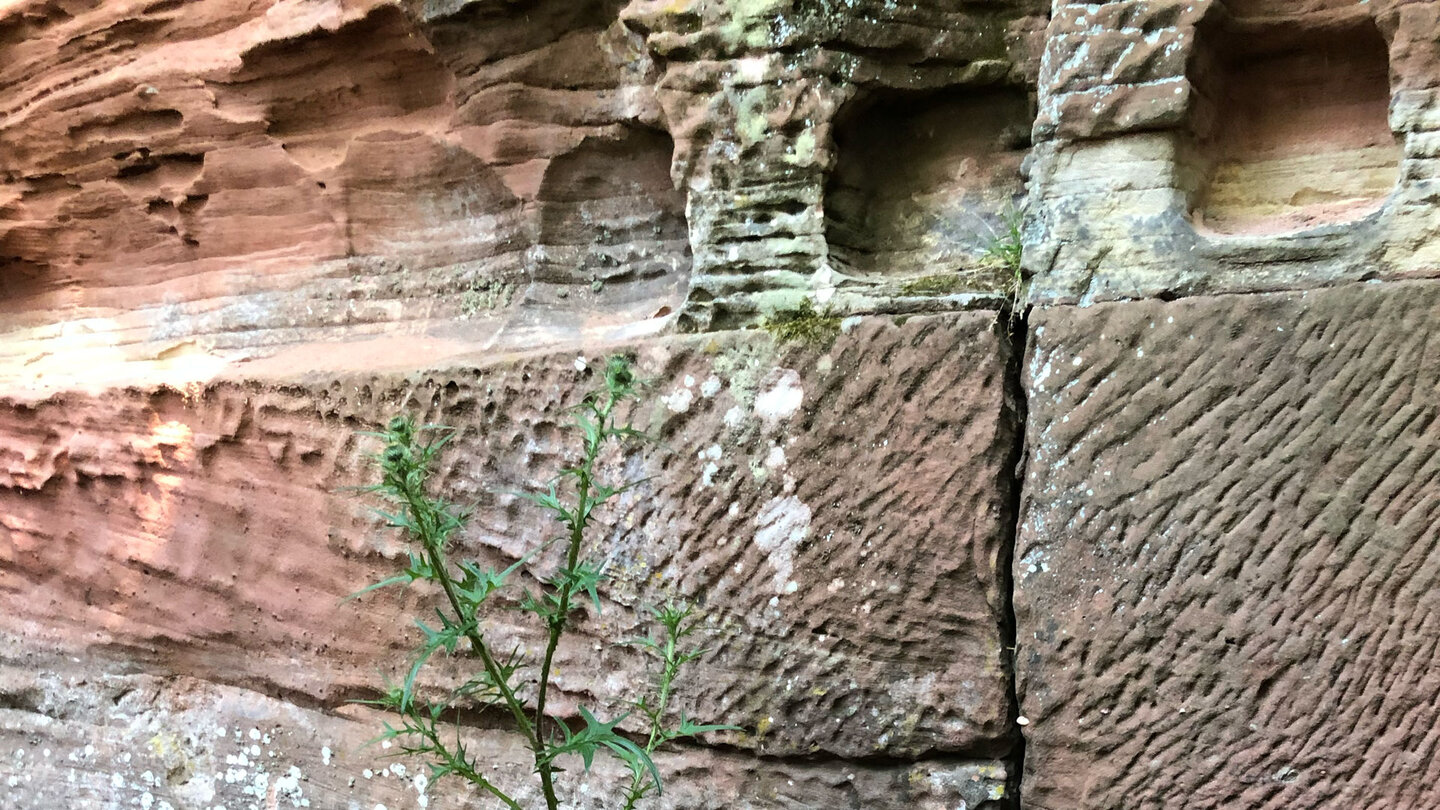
612 229
923 183
1291 122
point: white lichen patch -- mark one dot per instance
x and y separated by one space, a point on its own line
775 459
679 402
1034 562
734 417
912 691
780 526
781 399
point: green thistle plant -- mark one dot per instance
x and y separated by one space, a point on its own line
430 524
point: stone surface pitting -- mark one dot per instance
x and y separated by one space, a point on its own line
1228 567
842 520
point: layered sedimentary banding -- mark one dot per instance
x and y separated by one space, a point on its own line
213 183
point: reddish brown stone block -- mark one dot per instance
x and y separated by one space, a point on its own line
1228 567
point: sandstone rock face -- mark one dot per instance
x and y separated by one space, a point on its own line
116 739
834 517
233 234
1188 539
761 97
1226 575
191 185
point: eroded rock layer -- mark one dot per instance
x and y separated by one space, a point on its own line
106 737
191 184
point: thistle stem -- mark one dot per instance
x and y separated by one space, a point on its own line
566 588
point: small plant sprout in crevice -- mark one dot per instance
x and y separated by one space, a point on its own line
517 685
1006 243
996 268
1004 251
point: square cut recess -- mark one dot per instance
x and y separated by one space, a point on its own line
1297 132
923 182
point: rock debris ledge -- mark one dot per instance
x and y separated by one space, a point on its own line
1228 569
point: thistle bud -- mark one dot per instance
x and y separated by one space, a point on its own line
395 455
618 373
400 426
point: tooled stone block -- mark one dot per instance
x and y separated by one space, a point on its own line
1228 565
